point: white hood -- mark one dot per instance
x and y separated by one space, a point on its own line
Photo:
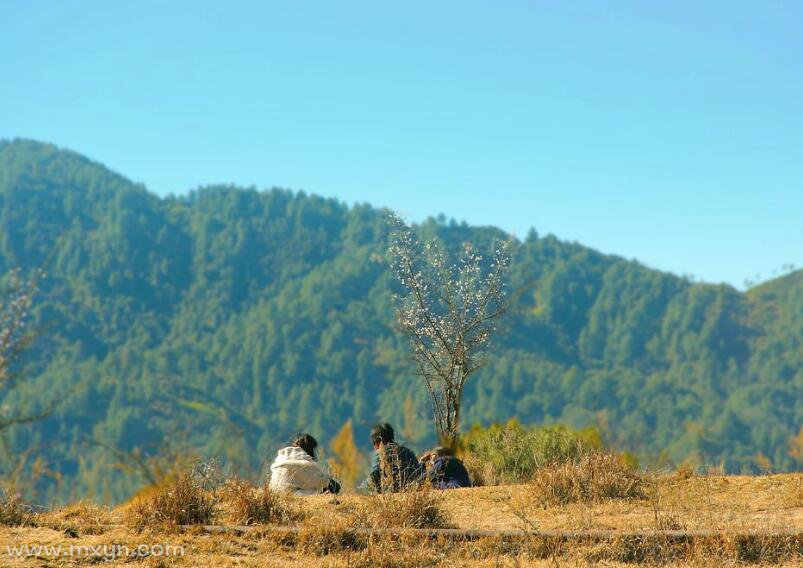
291 455
294 470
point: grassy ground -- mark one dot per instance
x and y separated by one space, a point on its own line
728 505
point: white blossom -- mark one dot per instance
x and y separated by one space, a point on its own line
448 310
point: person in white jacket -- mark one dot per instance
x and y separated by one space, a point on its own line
296 469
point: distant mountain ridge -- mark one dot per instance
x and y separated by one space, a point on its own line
238 317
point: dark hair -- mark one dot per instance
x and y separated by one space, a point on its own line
382 433
442 451
306 443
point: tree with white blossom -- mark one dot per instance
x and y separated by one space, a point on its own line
449 311
15 336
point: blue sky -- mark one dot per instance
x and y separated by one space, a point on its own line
667 132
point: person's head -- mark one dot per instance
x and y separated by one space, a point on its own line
437 452
306 443
443 451
382 434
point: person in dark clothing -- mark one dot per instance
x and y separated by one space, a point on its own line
444 470
394 467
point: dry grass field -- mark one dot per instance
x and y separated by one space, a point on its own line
675 521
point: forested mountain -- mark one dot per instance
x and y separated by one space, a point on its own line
224 320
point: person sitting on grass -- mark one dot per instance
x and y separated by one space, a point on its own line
444 470
394 467
296 469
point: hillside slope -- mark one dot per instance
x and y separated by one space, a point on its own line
222 321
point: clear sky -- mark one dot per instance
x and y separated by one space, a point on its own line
669 132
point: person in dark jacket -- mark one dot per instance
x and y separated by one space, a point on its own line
394 467
444 470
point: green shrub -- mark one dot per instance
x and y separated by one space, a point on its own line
512 453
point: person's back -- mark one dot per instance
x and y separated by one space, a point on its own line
394 466
295 469
398 468
448 472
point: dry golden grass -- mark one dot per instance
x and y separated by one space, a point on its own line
593 478
82 517
796 494
230 550
13 512
240 503
416 508
181 502
386 553
338 525
730 506
324 537
715 502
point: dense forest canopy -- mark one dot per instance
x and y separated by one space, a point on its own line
224 320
